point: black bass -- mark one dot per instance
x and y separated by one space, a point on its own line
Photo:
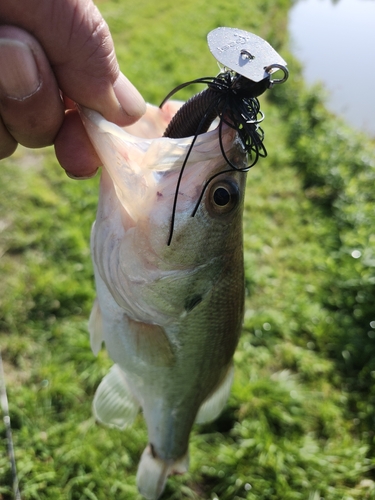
169 315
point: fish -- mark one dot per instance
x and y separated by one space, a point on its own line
170 315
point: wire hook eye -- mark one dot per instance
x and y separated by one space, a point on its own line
269 68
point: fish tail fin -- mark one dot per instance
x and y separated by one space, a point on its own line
153 472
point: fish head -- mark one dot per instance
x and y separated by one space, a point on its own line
178 197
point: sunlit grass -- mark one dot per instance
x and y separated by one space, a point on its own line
299 422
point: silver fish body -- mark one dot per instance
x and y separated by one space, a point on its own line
170 316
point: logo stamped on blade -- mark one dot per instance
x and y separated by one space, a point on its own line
240 40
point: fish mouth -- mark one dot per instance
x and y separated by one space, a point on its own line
150 126
137 158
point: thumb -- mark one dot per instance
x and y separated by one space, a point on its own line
80 49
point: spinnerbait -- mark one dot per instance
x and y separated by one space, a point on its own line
248 63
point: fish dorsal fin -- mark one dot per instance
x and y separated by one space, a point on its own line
151 343
153 472
96 328
214 404
114 404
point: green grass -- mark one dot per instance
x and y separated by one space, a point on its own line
299 424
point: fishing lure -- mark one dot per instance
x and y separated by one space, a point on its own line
248 63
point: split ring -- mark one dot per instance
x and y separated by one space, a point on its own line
277 67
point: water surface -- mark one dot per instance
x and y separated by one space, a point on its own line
336 43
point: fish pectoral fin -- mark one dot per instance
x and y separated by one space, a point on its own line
96 328
114 405
151 343
153 472
214 404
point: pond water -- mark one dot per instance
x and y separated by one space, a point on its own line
335 41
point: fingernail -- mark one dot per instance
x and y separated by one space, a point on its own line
19 77
128 96
81 178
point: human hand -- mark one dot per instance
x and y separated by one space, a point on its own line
54 54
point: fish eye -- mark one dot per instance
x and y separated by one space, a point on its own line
223 197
